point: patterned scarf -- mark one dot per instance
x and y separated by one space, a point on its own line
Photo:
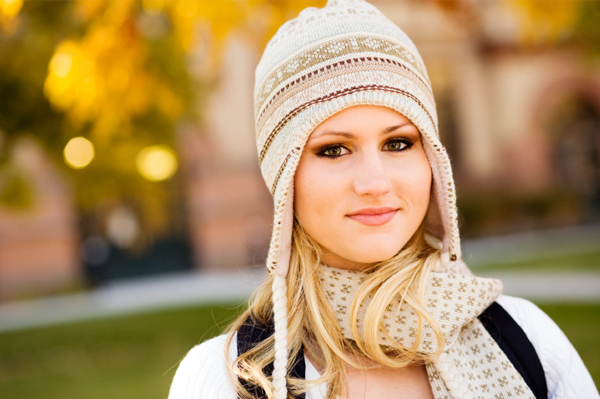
472 365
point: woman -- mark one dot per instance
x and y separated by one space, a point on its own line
367 295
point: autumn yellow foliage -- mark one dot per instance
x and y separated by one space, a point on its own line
103 78
9 9
117 72
546 20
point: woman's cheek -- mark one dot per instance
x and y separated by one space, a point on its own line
414 181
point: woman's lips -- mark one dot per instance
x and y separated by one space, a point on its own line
373 216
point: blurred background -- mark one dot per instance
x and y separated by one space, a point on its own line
133 217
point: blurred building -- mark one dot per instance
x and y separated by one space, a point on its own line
519 121
507 108
39 248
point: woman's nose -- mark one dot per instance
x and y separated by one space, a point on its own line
371 177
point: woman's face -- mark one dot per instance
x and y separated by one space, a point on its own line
362 185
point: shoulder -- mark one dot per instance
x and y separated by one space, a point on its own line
203 372
566 374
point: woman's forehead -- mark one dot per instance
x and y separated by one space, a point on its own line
350 121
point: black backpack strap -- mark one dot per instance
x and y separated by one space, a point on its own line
514 343
250 334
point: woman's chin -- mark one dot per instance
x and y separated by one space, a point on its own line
353 260
375 258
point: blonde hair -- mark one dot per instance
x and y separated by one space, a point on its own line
312 324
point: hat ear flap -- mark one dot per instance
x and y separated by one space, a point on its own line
433 218
287 225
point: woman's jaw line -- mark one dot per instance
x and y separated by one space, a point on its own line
331 260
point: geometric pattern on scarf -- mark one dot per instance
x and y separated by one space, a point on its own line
472 365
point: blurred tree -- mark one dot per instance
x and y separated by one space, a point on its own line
540 22
547 21
587 33
123 74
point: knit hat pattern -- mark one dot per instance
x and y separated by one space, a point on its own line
324 61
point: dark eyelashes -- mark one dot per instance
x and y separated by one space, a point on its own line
336 150
405 140
323 152
408 143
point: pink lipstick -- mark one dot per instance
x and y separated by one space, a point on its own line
373 216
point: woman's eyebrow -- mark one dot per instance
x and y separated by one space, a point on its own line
334 133
392 128
350 135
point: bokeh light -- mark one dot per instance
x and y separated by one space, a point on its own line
10 8
156 163
79 152
60 64
122 227
72 81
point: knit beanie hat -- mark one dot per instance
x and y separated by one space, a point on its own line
318 64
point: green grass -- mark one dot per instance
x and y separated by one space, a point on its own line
589 261
136 356
126 357
581 324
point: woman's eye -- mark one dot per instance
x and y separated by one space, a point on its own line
332 152
397 145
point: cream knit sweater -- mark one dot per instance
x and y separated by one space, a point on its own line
203 372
